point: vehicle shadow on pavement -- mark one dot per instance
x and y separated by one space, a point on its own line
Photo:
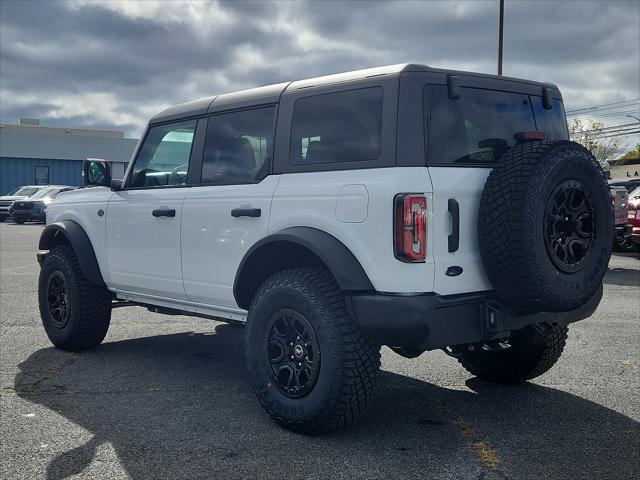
180 406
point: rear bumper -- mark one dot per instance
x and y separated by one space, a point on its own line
431 321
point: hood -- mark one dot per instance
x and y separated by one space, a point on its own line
13 197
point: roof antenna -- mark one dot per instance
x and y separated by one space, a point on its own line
500 36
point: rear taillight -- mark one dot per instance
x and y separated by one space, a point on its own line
410 227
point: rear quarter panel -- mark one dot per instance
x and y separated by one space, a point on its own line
334 202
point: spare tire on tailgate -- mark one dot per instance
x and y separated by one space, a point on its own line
545 226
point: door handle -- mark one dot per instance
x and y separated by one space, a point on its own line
246 212
164 212
454 238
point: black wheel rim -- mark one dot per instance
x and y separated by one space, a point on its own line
569 226
58 298
293 353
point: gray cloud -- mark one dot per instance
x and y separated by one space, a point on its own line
113 65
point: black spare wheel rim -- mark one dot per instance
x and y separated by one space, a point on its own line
569 228
293 353
58 299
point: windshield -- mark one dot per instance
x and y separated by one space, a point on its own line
45 192
635 193
26 191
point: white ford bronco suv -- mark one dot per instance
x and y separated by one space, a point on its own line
405 206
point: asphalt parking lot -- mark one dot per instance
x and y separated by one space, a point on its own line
167 397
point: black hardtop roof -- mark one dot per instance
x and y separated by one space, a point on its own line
271 93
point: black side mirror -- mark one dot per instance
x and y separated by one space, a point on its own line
96 172
116 184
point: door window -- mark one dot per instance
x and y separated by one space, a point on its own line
337 127
164 157
238 146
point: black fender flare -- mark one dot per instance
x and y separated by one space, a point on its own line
338 259
81 244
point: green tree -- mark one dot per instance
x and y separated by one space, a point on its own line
591 135
630 155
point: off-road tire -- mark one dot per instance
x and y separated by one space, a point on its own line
89 304
349 361
534 350
511 227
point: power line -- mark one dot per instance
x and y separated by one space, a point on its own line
607 110
608 114
606 107
618 135
612 127
630 131
603 105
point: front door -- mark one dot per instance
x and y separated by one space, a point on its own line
229 212
143 219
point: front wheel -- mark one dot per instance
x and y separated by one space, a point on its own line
19 221
311 367
75 313
534 350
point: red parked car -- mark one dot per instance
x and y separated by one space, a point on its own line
634 217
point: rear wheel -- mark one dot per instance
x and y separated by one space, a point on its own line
20 221
534 350
309 364
75 313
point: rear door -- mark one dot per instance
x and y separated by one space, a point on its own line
465 137
229 211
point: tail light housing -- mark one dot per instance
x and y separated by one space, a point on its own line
410 227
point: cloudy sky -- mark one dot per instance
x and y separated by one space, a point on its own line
114 64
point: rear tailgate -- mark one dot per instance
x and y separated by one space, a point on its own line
467 133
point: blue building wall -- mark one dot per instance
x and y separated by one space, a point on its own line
23 148
15 172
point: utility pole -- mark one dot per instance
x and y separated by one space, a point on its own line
501 34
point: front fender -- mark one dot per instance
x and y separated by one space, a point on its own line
68 231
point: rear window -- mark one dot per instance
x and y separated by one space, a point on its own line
337 127
481 125
553 121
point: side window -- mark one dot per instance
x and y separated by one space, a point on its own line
553 121
164 157
337 127
478 127
238 146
